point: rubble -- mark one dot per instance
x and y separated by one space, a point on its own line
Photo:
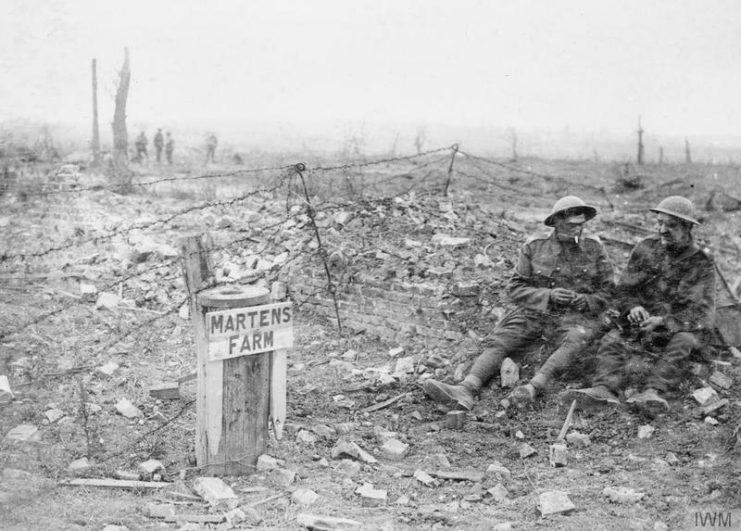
622 495
218 494
554 502
558 455
705 396
509 373
394 449
303 496
424 478
498 493
326 523
646 431
526 450
371 497
127 409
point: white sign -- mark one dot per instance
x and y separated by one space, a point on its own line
246 331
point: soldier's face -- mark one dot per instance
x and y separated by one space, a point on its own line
570 228
674 233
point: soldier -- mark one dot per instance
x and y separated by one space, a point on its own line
667 294
560 287
169 147
141 147
211 143
159 143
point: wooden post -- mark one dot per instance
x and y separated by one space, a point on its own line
120 134
241 378
450 168
639 158
95 141
687 153
197 270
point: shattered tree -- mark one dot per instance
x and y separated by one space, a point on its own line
120 135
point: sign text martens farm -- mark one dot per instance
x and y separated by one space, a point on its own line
245 331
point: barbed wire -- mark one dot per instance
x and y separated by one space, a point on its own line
124 186
379 161
542 175
142 226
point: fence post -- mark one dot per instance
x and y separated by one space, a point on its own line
243 384
237 392
454 147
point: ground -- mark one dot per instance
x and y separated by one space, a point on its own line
54 342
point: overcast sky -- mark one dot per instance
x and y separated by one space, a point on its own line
587 65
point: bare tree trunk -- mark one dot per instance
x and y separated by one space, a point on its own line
120 134
95 142
640 142
661 155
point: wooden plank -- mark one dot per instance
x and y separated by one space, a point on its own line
566 423
278 370
197 269
116 483
385 403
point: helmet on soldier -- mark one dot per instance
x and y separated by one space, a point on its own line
570 204
679 207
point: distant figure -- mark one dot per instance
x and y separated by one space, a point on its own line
141 147
159 144
169 147
211 143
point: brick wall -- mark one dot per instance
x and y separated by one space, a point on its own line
393 310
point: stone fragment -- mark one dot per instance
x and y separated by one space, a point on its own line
519 435
498 493
165 391
711 421
266 462
323 431
217 493
303 496
424 478
371 497
383 435
445 240
646 431
497 471
558 455
394 352
509 373
721 380
554 502
148 468
107 301
394 449
347 448
127 409
460 475
53 415
715 406
503 526
578 439
79 465
278 290
326 523
404 366
106 370
622 495
88 292
705 396
455 420
24 433
402 500
184 312
161 511
671 458
306 437
526 450
442 460
6 395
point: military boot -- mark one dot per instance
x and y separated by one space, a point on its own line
443 393
649 401
523 395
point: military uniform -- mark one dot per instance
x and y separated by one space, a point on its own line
681 289
545 263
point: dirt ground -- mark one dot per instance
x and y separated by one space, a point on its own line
687 464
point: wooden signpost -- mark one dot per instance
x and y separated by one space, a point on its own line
241 342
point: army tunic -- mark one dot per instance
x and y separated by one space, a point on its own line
681 289
546 263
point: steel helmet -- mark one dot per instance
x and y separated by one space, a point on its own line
567 203
679 207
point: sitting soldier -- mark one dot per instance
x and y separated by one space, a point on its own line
667 294
560 286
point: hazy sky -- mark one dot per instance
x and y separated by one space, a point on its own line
587 65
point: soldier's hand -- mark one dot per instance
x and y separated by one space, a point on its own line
652 323
580 302
638 314
562 296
